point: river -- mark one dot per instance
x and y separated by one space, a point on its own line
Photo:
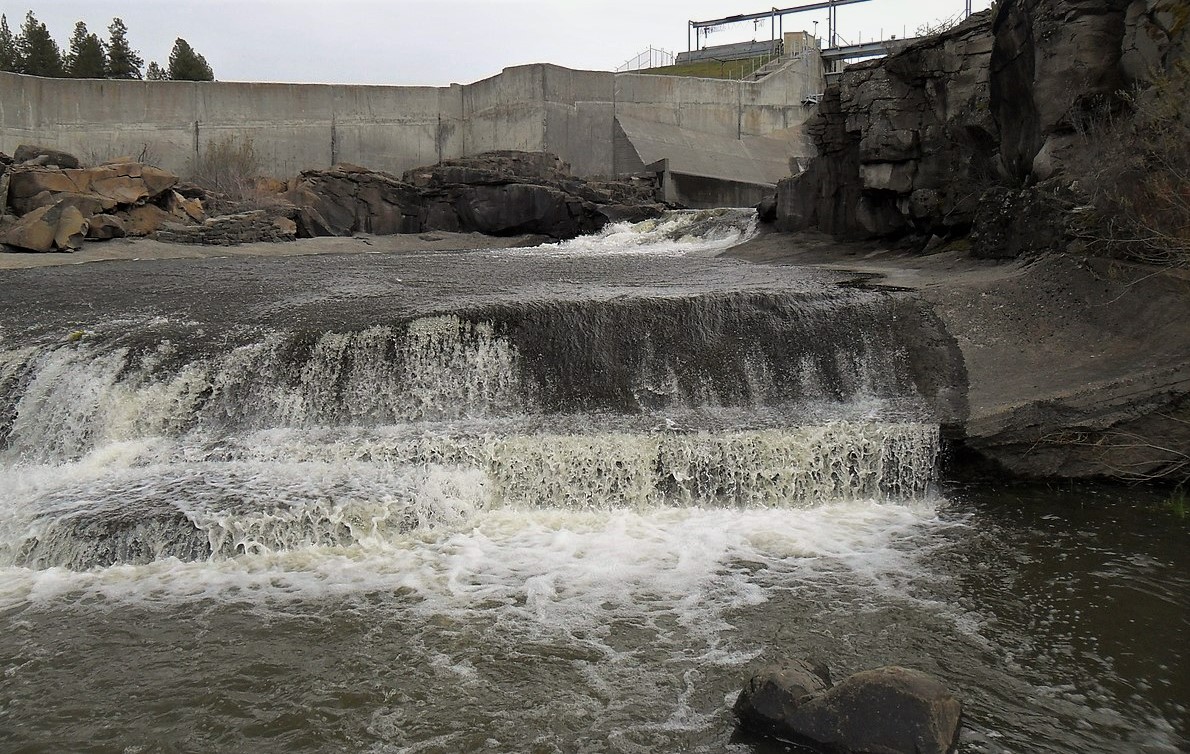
562 499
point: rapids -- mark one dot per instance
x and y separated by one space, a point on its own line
550 499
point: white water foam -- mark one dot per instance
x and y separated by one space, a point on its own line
679 233
555 568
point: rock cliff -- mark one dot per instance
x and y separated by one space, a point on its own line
928 140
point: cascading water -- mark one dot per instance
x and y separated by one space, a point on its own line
549 499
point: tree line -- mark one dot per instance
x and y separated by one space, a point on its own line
34 52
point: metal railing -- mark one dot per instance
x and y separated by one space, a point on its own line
653 57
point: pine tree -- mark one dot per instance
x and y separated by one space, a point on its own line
86 59
37 52
187 65
123 62
8 47
155 72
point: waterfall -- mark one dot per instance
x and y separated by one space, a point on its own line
165 437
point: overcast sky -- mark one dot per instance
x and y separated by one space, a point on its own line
444 41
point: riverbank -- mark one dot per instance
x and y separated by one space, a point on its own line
1077 367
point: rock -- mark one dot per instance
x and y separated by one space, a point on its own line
86 204
111 185
766 210
519 208
104 227
183 207
348 199
27 153
285 227
145 220
889 710
498 193
773 694
229 230
1018 223
61 227
909 143
915 121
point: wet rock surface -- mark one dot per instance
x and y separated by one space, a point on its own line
888 710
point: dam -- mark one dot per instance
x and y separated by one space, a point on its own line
715 142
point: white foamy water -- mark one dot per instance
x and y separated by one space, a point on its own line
681 233
562 568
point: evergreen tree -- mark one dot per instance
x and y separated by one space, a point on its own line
36 49
155 72
123 62
187 65
8 47
85 59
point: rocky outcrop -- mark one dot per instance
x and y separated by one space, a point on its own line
890 710
910 144
903 142
497 193
348 199
104 187
55 204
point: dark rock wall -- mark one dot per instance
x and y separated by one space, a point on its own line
910 143
902 142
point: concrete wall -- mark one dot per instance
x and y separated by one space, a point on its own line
299 126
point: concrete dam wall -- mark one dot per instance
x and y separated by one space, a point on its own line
674 124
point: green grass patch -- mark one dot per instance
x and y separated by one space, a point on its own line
1178 503
711 69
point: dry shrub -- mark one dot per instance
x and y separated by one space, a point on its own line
229 169
1136 169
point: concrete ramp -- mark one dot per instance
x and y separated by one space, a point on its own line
710 170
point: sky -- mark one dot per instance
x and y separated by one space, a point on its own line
416 42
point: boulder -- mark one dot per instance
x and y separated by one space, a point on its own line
60 227
347 199
183 207
111 185
497 193
889 710
520 208
773 694
146 219
104 227
29 153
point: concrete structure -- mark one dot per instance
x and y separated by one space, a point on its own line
601 123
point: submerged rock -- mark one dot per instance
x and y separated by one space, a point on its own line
888 710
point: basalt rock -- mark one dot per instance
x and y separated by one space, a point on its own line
348 199
889 710
908 145
496 193
902 142
36 155
56 228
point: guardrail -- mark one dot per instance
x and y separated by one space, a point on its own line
654 57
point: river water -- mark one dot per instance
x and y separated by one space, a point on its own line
562 499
